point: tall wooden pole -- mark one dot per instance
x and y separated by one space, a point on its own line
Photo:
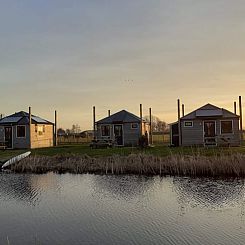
150 133
109 113
55 128
240 112
235 107
179 126
183 110
141 120
94 121
30 125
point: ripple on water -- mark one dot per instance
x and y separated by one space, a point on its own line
94 209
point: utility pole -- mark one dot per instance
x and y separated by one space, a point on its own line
179 126
55 128
94 121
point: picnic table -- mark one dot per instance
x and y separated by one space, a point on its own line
102 143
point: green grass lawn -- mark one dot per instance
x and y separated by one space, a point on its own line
7 154
159 150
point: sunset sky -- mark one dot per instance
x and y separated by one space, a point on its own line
69 55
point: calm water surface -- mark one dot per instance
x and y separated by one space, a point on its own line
93 209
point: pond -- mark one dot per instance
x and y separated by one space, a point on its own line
96 209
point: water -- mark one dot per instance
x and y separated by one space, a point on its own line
93 209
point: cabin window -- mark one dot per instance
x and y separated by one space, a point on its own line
188 124
226 127
21 131
134 126
105 130
40 129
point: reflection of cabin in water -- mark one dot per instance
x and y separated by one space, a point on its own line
15 131
208 125
123 127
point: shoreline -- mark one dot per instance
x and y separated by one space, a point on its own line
222 165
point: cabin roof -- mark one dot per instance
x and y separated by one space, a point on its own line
120 117
22 117
209 111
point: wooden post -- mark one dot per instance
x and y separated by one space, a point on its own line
179 126
94 121
141 119
30 125
1 116
235 107
55 128
240 112
109 113
150 131
183 110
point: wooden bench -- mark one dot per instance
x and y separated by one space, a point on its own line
210 141
3 145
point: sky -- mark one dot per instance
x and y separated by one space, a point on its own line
72 55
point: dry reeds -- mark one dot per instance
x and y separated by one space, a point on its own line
141 164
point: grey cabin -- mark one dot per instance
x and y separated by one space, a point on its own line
123 127
16 131
208 126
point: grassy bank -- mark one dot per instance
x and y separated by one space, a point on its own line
142 164
186 161
158 150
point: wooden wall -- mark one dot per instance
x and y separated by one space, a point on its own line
44 140
194 135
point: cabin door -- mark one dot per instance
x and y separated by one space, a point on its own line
175 134
209 133
8 137
118 132
209 129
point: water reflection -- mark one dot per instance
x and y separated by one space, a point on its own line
17 187
210 193
95 209
125 187
25 187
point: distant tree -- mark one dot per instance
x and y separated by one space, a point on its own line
157 124
68 131
75 129
61 131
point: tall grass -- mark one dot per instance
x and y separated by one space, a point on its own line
142 164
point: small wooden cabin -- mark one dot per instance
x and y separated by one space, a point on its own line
208 125
15 131
123 127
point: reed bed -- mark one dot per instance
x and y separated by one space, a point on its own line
232 165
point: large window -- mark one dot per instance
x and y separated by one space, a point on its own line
105 130
21 132
226 127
